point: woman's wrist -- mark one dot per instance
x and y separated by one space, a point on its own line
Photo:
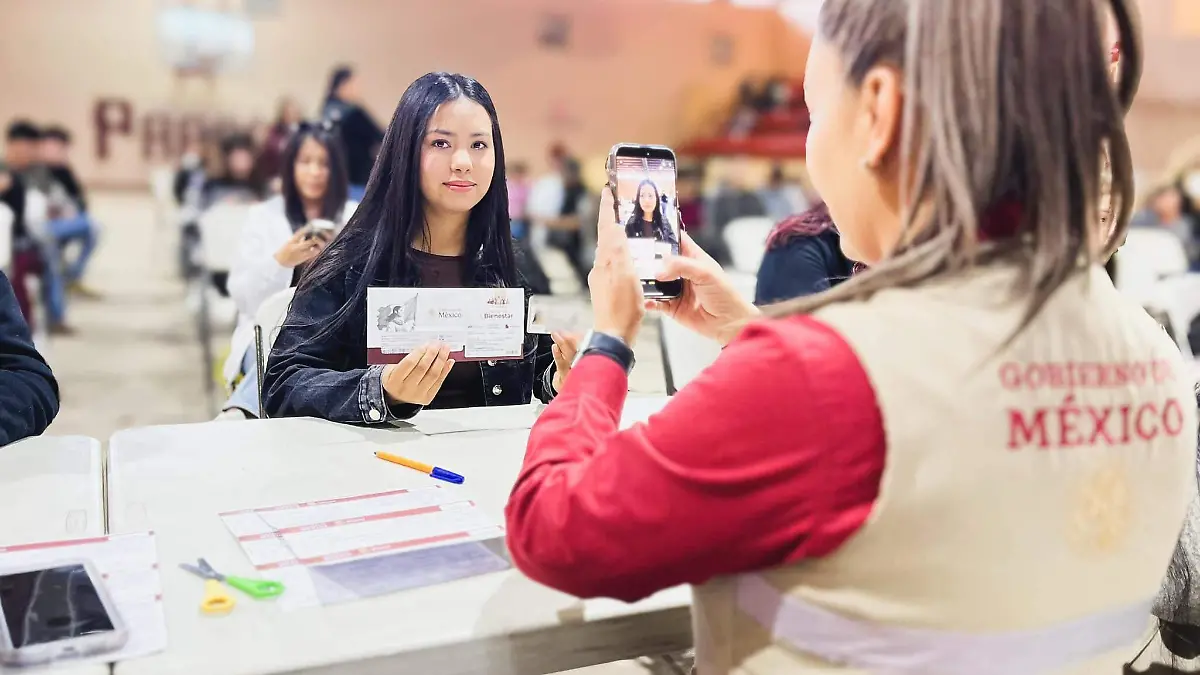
731 329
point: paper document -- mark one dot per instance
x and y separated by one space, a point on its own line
548 314
129 566
344 549
476 323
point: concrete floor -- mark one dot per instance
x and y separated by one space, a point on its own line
136 359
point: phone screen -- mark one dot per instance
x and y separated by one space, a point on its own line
53 604
647 205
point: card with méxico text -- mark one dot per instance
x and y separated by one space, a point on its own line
476 323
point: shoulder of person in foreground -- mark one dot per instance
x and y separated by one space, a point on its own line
28 390
772 455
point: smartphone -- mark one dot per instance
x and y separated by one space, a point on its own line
54 612
642 178
324 229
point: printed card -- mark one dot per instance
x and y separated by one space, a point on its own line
476 323
548 314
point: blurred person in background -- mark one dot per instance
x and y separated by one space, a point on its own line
555 204
361 135
732 199
435 215
781 197
924 469
46 202
277 244
1164 209
26 259
28 391
803 257
270 152
74 223
519 189
236 180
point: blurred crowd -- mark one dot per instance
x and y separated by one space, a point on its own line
52 233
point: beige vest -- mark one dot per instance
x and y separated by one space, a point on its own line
1029 507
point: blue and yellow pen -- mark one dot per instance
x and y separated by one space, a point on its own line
435 471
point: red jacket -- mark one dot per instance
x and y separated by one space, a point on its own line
773 454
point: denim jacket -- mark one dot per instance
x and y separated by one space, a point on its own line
330 379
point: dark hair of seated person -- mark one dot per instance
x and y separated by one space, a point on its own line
803 257
318 366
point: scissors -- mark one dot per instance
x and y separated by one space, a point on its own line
216 599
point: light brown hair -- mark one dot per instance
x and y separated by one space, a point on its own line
1004 101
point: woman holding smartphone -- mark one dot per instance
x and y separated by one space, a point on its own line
648 220
279 239
936 466
435 214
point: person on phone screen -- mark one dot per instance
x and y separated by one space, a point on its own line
649 220
937 465
278 241
435 214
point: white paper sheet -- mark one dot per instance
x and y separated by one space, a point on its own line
287 543
129 566
476 323
548 314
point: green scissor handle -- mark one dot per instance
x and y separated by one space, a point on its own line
256 588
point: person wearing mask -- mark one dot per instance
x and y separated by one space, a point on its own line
74 224
270 153
780 197
28 390
648 219
361 135
936 466
277 244
435 215
803 257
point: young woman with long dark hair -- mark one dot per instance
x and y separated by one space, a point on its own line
648 220
973 457
803 257
276 244
435 214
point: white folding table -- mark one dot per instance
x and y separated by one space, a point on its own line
176 479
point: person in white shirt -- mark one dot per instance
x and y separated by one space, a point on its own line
279 240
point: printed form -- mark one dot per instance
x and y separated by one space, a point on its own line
318 548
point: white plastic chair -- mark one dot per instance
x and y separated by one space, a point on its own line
684 353
747 241
267 322
162 190
220 228
6 227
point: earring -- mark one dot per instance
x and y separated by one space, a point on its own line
867 164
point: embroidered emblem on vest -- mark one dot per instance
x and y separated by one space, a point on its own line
1101 517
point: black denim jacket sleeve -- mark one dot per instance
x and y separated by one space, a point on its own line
325 378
